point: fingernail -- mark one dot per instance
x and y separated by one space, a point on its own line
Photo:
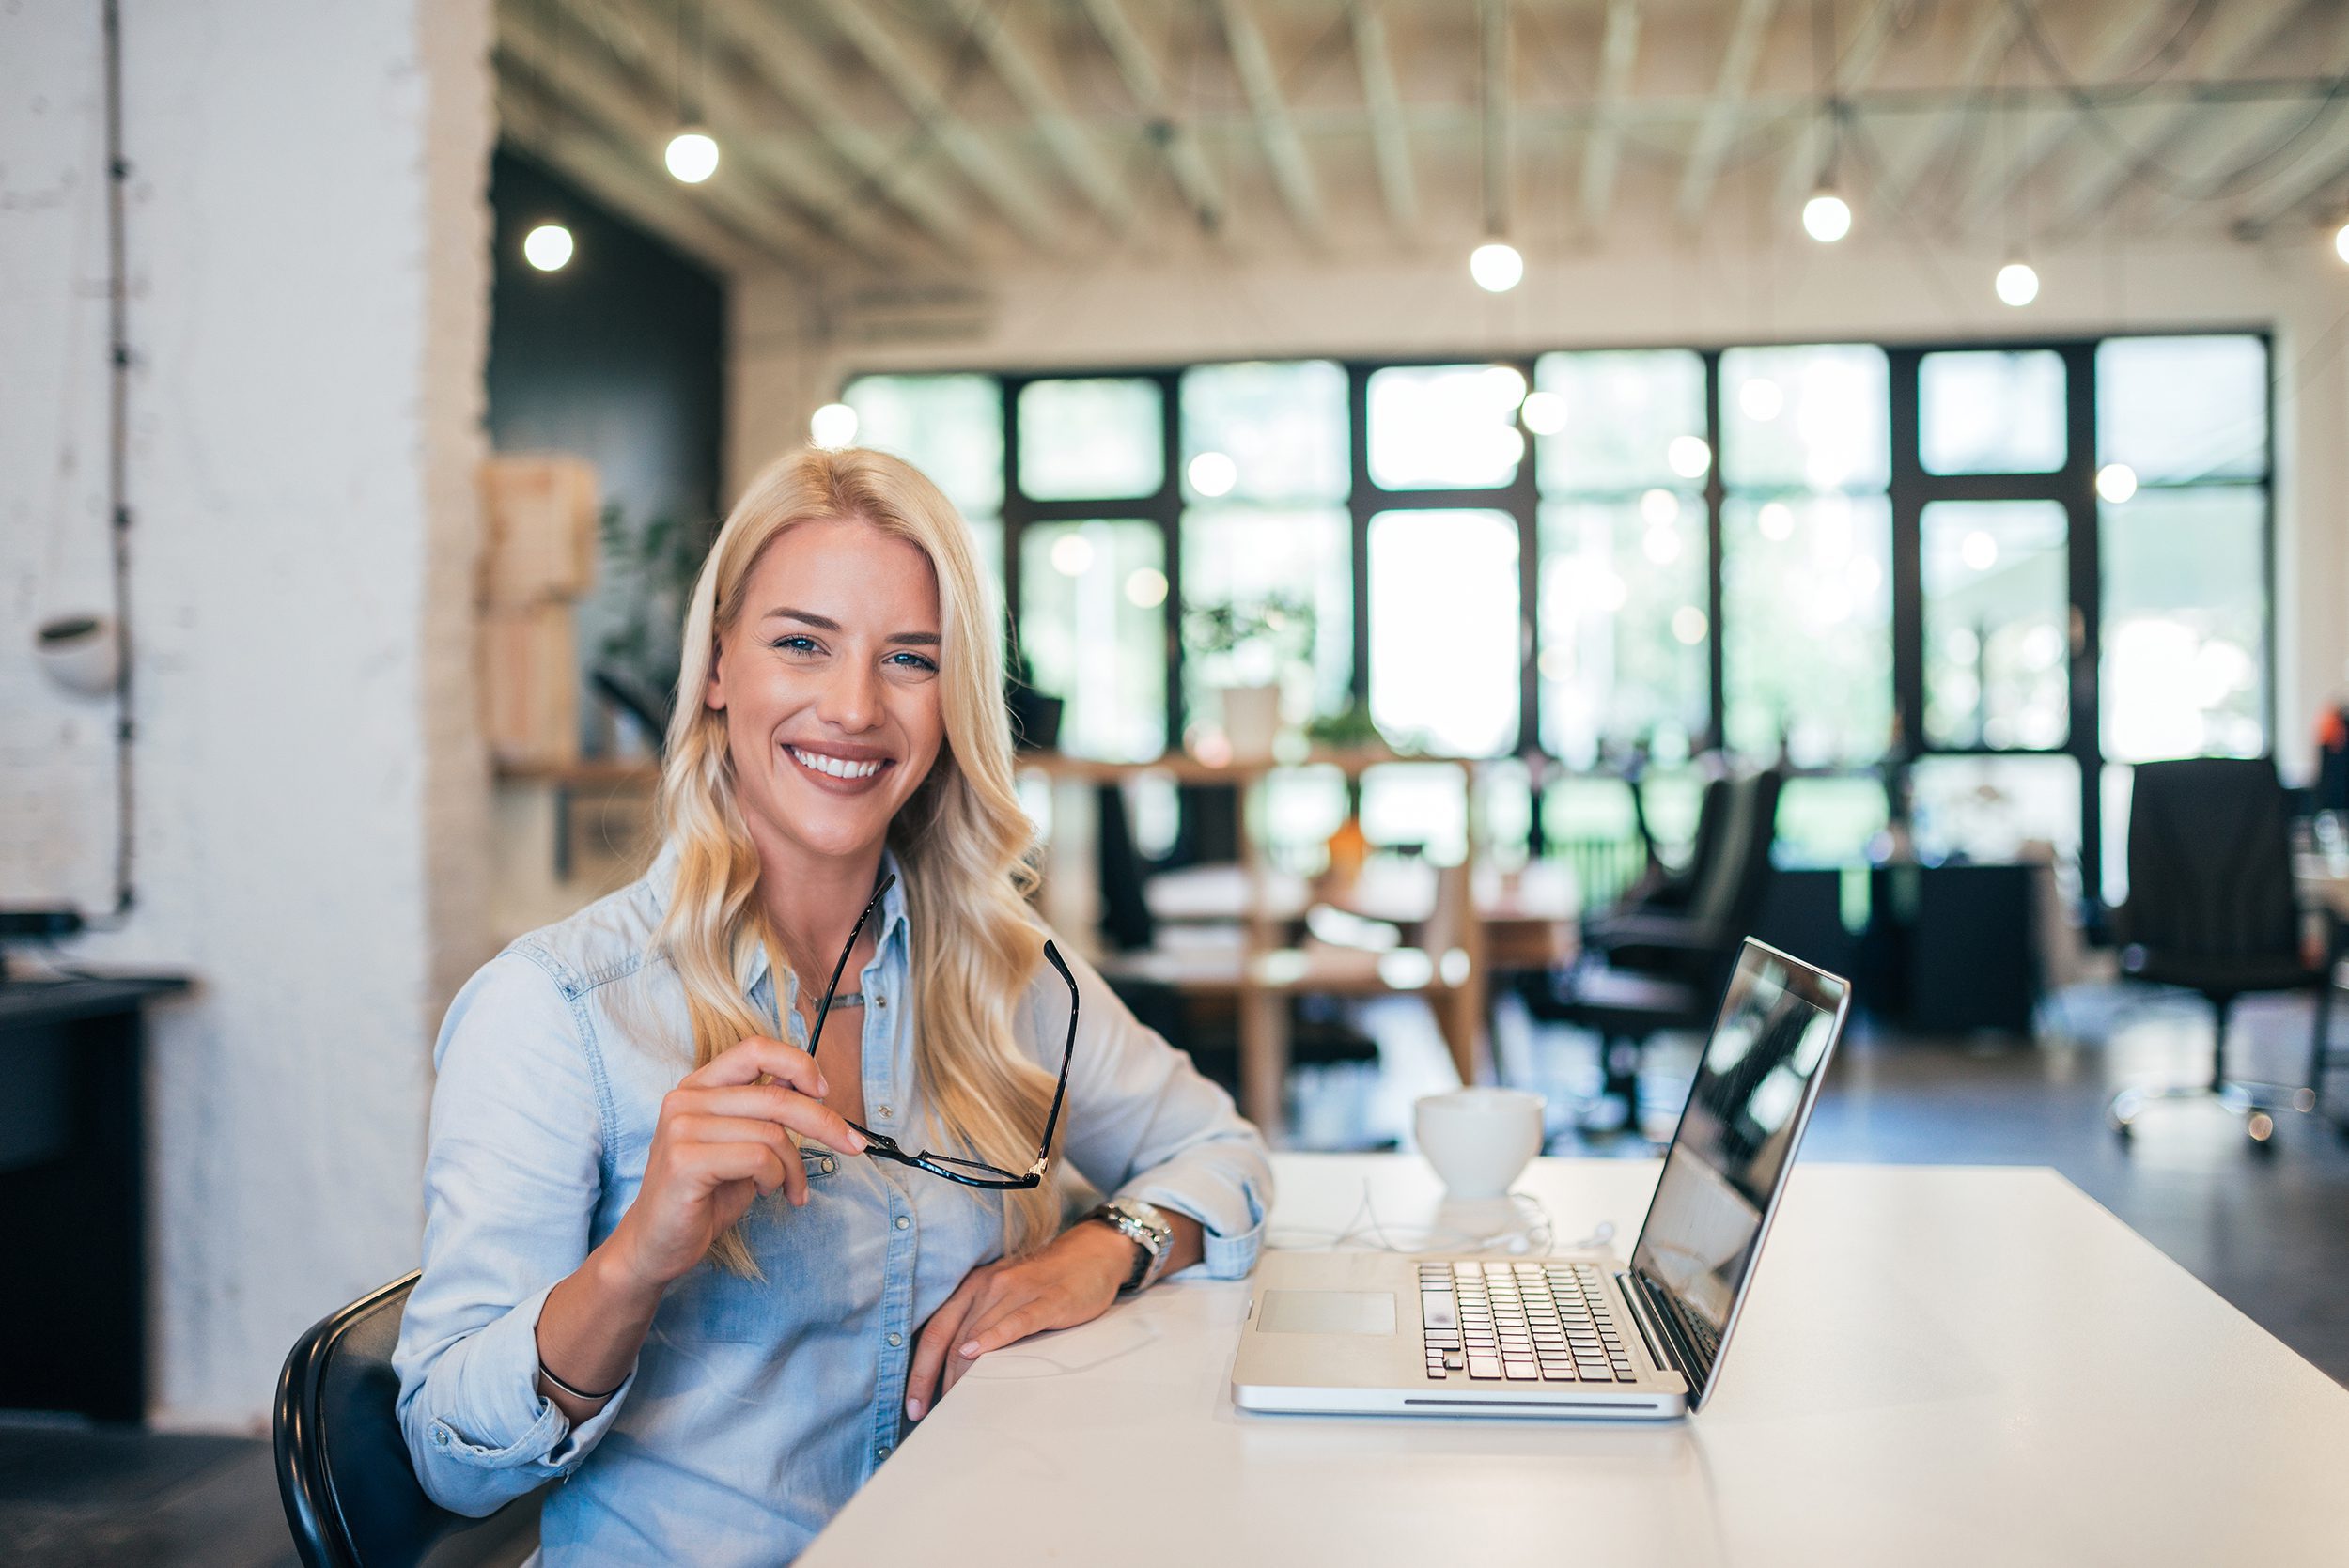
969 1350
822 1088
913 1409
858 1139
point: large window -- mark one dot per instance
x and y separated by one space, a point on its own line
1625 615
1999 574
2181 536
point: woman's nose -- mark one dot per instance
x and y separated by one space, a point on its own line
851 698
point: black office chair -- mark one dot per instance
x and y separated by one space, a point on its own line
351 1494
1664 890
2212 909
1127 921
1654 970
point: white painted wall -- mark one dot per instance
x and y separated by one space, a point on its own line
308 236
1765 285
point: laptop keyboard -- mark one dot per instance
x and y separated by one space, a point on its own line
1520 1322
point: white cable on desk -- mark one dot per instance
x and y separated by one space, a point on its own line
1364 1229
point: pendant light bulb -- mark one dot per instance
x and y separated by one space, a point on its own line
548 247
1495 266
2341 242
1827 217
693 155
2019 283
831 427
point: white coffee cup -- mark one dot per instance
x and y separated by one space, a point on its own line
1478 1139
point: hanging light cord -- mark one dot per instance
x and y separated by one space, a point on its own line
118 462
1823 62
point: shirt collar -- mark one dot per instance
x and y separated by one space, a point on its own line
891 916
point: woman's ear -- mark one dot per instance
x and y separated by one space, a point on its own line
714 689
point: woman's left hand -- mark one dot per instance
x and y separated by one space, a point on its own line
1071 1281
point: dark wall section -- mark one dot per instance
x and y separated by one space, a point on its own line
620 357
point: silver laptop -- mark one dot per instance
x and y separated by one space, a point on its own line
1573 1334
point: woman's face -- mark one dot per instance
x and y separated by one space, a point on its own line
828 685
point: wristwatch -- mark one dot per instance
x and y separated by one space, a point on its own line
1145 1226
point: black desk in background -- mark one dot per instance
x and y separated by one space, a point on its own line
1947 948
72 1194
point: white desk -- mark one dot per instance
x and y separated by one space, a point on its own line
1938 1365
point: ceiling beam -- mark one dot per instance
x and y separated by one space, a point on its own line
1806 155
534 124
2239 35
2124 41
1493 137
580 78
2279 136
1929 142
2319 163
1072 146
1292 172
916 82
2321 171
741 128
782 62
1722 115
1602 149
1390 142
1184 164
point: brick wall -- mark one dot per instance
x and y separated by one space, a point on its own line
307 234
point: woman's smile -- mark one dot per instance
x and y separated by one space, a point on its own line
842 770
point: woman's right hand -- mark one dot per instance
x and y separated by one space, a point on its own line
723 1141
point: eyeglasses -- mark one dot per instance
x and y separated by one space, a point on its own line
970 1172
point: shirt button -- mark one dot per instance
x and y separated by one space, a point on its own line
903 1222
440 1435
885 1111
880 1001
881 1453
895 1340
825 1165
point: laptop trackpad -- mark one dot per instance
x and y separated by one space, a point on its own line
1327 1311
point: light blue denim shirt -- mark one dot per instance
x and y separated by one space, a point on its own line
755 1407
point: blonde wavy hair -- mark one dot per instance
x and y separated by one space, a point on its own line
961 839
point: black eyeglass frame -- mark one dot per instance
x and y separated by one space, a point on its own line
992 1177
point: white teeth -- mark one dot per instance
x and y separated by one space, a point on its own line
839 768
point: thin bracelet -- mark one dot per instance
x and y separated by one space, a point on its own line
578 1393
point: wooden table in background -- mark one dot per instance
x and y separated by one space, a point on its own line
1517 921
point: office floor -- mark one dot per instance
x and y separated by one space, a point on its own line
74 1498
2269 1232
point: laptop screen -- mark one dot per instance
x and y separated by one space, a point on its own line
1728 1161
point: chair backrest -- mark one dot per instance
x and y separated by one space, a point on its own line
2210 860
1727 896
1126 917
1675 891
350 1492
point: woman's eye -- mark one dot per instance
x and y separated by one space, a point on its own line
794 644
912 661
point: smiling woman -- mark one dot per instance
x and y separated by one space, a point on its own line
852 707
646 1208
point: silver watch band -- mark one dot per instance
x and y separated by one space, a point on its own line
1145 1226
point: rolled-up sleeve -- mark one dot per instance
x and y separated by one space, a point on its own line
1142 1122
512 1173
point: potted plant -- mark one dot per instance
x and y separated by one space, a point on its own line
649 569
1244 647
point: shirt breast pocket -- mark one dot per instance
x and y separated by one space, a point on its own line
797 1254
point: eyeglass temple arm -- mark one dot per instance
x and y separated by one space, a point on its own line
815 1035
1060 1091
